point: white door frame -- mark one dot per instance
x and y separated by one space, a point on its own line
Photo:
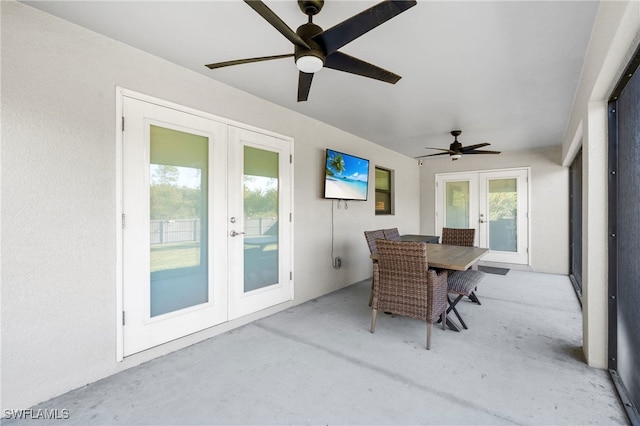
143 329
477 189
441 183
240 302
521 255
118 220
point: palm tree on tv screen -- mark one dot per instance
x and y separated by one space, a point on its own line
336 162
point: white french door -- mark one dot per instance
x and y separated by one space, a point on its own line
495 203
259 243
456 201
185 215
504 215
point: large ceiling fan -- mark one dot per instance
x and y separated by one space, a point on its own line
456 150
315 48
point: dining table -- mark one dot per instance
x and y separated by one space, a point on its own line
456 258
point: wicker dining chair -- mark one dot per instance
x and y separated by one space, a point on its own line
460 279
458 236
391 234
405 286
371 237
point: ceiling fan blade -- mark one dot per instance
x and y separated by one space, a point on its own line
439 149
481 152
339 35
342 62
470 147
246 61
433 155
304 85
270 16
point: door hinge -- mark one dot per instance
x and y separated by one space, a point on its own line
123 220
290 275
290 217
123 123
290 158
122 317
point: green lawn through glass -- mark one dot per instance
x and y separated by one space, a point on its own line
175 255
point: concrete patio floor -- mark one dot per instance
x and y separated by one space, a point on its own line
520 362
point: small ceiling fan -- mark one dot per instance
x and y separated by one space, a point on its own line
456 150
315 48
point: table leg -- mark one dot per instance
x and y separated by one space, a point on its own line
451 324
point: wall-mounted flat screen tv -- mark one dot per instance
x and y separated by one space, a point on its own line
346 176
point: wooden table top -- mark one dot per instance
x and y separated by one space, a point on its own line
457 258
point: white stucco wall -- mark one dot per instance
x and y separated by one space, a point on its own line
548 195
616 34
58 180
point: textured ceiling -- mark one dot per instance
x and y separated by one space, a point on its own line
503 72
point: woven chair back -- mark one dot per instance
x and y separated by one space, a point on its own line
405 285
391 234
371 237
458 236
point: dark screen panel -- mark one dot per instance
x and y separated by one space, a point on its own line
628 239
575 182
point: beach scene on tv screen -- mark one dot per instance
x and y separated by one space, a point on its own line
346 176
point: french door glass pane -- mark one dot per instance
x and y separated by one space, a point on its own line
178 215
503 214
457 204
260 194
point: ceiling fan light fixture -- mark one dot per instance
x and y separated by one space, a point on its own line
309 64
454 157
312 44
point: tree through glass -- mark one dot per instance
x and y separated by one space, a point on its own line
178 220
503 214
260 194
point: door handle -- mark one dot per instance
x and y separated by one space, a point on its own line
235 234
